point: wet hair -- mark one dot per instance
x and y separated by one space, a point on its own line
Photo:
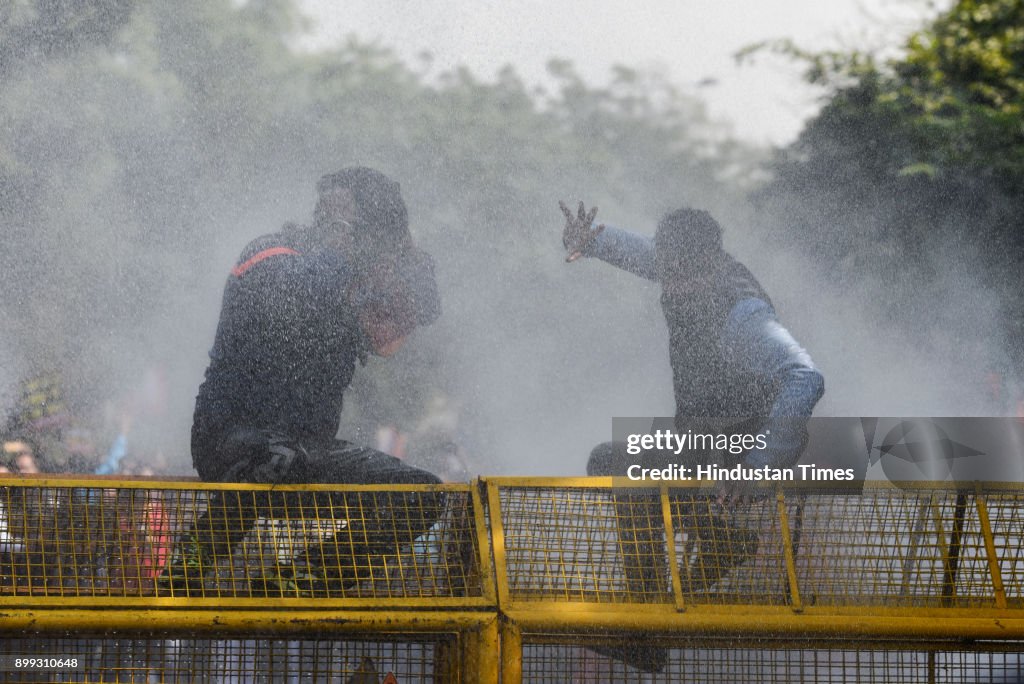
383 218
688 239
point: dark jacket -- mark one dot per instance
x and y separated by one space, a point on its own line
285 350
730 356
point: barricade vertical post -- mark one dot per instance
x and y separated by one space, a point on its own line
990 548
498 543
670 546
483 541
481 659
511 653
789 554
446 659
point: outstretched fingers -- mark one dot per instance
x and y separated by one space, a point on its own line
579 229
565 210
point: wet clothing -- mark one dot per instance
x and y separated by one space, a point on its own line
268 410
285 351
729 354
286 348
735 370
377 522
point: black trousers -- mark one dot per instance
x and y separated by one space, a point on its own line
371 523
641 528
641 525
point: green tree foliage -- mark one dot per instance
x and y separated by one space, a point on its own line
962 83
49 28
914 170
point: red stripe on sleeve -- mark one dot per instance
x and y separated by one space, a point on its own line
256 258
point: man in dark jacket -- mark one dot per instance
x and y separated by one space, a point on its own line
735 371
300 308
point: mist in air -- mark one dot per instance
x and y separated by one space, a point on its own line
143 144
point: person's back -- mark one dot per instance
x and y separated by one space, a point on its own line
300 307
285 351
736 372
730 357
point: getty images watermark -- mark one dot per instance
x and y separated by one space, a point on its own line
694 446
840 450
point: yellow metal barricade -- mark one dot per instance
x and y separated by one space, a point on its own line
145 580
558 658
590 562
510 579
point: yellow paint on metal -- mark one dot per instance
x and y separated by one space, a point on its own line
483 542
208 621
498 543
511 653
990 550
481 649
787 549
810 623
670 542
488 657
571 556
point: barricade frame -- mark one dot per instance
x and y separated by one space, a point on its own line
486 600
946 626
976 522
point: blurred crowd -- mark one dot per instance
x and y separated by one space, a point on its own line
433 443
44 434
114 541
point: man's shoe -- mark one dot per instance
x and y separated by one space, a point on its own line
643 657
286 581
183 576
723 546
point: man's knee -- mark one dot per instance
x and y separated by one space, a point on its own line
433 504
232 456
608 458
420 477
255 455
430 502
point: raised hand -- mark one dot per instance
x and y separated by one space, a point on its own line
579 231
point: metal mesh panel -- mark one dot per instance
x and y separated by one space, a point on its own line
897 558
563 544
883 546
757 661
81 541
728 556
968 666
134 541
1006 514
892 548
605 546
234 661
